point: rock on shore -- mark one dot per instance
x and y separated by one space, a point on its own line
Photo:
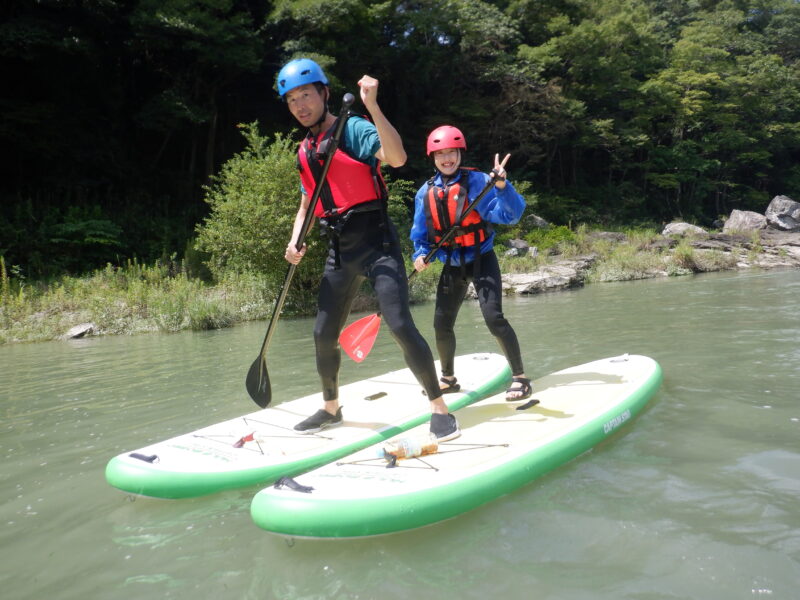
770 240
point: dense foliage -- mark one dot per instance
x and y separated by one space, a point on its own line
253 202
116 115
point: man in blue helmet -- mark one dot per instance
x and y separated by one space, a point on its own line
363 241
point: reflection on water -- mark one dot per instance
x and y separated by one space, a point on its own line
696 499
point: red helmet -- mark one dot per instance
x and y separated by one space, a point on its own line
446 136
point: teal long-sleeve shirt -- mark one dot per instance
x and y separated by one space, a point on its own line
503 207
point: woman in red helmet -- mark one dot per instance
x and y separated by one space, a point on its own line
469 256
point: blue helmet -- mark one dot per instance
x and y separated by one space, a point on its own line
297 72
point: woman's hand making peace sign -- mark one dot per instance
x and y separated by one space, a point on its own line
499 171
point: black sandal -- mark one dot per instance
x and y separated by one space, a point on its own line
524 392
452 385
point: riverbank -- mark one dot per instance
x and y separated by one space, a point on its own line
136 299
618 257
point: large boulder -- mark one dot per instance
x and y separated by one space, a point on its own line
783 214
532 220
79 331
609 236
682 229
744 221
517 247
560 275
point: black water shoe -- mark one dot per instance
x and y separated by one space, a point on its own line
320 420
444 427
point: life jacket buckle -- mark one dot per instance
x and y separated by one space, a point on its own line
322 148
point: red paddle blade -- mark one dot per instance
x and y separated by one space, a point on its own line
357 338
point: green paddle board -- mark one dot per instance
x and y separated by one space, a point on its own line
262 446
503 446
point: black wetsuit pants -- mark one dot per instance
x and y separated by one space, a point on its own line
362 256
453 283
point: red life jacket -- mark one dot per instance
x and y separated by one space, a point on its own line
349 182
444 207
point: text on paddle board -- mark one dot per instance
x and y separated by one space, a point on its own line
616 422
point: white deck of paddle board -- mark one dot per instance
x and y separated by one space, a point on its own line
499 445
373 409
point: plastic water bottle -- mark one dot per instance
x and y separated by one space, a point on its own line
410 447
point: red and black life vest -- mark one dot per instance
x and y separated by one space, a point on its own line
444 207
350 181
351 186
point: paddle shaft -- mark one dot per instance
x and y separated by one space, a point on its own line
347 101
365 331
312 205
448 235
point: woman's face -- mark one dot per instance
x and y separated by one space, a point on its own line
447 160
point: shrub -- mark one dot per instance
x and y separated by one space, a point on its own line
206 313
683 257
714 260
550 237
423 286
253 202
401 207
625 263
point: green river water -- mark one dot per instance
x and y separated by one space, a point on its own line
698 498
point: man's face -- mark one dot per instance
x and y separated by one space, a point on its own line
306 104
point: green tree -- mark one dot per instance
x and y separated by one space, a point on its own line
599 63
116 107
718 116
116 113
196 48
253 201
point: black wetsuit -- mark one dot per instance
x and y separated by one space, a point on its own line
453 284
362 256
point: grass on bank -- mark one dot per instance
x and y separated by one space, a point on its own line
620 256
164 297
132 298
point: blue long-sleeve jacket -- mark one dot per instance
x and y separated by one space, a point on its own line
504 207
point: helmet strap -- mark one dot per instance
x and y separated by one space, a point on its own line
325 110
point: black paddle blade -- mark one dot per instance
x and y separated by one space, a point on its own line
257 383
